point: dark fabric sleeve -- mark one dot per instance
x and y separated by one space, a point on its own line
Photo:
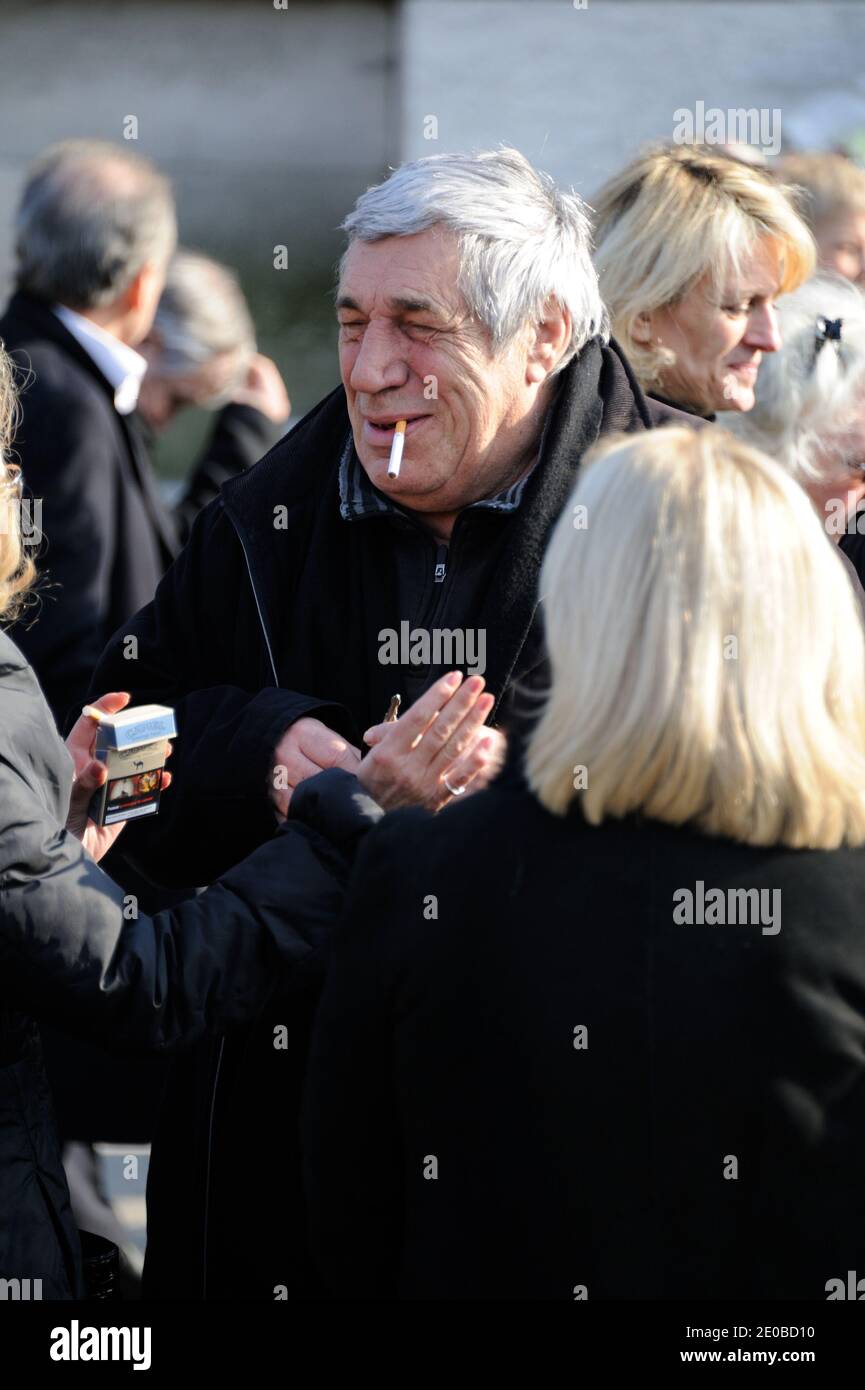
73 950
241 435
67 453
218 809
353 1169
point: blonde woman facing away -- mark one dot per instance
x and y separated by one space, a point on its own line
617 1008
693 249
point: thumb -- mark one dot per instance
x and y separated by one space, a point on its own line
375 734
92 775
113 702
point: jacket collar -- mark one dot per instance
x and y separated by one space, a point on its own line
33 316
26 317
359 499
122 367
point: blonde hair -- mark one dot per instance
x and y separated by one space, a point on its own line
706 649
675 215
17 570
808 393
823 185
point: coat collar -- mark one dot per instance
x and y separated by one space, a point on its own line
29 318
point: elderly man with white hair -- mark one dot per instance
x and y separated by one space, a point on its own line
318 587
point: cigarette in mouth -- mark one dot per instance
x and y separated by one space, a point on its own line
396 449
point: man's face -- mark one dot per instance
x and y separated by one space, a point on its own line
409 349
719 339
841 243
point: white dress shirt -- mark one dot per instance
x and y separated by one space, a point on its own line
122 367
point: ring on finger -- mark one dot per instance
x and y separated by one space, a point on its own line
454 791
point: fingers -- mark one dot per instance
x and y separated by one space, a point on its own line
321 746
481 764
469 772
111 703
407 731
82 736
457 728
376 733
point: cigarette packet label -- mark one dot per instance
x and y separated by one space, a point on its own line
134 783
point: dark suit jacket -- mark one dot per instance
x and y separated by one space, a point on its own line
107 535
705 1136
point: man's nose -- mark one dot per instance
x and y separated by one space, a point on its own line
380 363
763 331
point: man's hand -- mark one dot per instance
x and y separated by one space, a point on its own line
264 389
90 774
440 737
306 748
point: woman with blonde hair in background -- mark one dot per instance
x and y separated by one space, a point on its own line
618 1009
693 249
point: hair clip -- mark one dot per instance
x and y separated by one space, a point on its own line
828 330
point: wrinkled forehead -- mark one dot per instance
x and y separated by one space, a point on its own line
402 274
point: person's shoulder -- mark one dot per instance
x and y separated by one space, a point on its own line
53 385
470 836
26 726
300 464
662 413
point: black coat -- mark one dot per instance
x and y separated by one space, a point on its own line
254 626
274 607
72 950
108 536
454 1037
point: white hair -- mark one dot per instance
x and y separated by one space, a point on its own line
522 240
808 391
91 216
202 314
731 696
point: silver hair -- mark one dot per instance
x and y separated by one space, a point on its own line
522 240
202 314
91 216
808 391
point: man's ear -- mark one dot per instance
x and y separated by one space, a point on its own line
641 329
550 340
143 288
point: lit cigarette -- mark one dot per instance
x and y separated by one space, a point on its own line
396 449
92 713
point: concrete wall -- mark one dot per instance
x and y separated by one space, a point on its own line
578 90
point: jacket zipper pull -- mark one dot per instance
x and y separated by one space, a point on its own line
441 568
